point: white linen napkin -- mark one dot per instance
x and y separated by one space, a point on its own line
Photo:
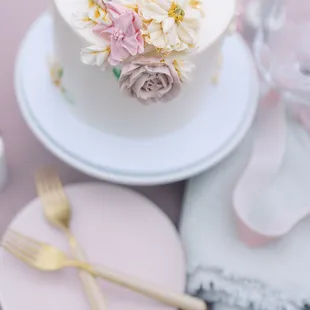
223 269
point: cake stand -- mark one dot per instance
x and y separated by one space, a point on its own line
229 111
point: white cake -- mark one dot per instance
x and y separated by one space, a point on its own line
94 95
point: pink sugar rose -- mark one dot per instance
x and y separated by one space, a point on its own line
150 80
124 34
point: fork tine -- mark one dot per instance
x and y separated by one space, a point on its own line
49 186
25 244
44 178
19 247
24 238
18 252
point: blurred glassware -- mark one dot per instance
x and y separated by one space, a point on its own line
248 18
282 47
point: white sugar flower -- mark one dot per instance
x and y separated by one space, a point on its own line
170 26
94 15
95 55
184 69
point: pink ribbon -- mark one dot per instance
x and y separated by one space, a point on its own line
286 49
264 164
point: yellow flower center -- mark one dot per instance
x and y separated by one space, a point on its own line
176 12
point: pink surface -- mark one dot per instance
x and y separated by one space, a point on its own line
116 228
25 154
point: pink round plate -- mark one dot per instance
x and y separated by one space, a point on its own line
117 228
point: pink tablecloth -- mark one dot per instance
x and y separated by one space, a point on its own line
26 154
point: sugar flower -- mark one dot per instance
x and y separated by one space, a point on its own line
150 80
170 26
124 34
93 16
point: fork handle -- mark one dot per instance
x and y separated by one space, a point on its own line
91 287
177 300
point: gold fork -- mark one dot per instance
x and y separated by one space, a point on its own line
48 258
57 211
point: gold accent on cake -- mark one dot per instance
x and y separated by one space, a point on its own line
176 67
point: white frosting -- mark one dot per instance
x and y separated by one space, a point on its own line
96 97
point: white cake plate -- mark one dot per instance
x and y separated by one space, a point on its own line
229 111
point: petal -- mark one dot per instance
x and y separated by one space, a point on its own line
131 30
131 45
181 46
100 28
113 62
137 21
140 41
81 20
124 22
152 11
165 4
115 9
156 35
189 23
192 14
186 34
163 80
153 27
94 55
99 15
172 36
158 39
192 18
167 24
136 74
118 52
184 68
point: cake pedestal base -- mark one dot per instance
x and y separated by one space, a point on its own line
211 136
